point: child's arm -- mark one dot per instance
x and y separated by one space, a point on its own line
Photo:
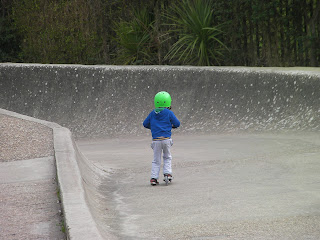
174 120
146 122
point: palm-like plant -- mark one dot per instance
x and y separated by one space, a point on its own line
135 39
198 42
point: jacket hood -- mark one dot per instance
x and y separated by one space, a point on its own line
158 110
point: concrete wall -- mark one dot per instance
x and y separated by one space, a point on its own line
114 100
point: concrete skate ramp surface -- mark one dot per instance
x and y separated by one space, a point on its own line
245 160
110 100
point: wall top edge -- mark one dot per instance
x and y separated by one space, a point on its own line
244 69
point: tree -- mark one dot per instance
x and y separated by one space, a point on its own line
195 32
9 38
58 31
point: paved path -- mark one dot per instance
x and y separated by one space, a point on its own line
28 200
29 205
225 187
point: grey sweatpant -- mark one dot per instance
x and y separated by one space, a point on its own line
160 147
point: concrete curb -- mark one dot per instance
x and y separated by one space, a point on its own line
78 218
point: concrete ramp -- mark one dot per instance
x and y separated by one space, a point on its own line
111 101
226 186
245 159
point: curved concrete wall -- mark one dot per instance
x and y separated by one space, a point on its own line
114 100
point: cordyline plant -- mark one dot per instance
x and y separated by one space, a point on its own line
197 38
135 39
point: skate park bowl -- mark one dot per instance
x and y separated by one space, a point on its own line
245 159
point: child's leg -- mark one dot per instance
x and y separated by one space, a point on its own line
166 145
156 163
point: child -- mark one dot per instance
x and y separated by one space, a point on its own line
161 120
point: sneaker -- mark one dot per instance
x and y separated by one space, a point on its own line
169 176
154 181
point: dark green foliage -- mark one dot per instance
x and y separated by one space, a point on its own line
58 31
9 42
197 38
136 39
271 33
9 37
255 32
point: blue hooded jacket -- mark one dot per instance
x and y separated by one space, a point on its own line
161 123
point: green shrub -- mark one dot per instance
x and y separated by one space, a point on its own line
135 38
197 39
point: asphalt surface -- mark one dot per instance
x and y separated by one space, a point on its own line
244 186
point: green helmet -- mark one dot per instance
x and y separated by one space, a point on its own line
162 99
